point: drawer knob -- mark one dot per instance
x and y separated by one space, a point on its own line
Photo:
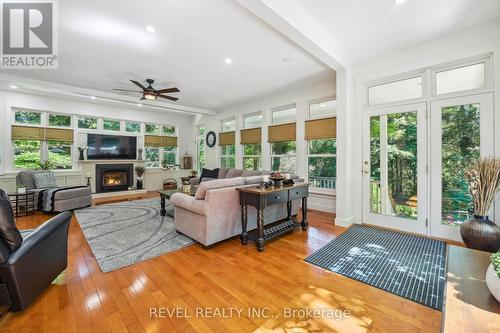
296 192
277 197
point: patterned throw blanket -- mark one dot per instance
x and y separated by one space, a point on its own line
46 197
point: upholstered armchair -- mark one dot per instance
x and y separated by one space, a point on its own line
29 263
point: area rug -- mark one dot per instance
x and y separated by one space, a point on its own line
409 266
125 233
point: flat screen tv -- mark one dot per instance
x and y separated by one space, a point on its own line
111 147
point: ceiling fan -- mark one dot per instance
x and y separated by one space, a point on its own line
149 93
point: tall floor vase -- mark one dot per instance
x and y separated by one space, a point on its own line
481 234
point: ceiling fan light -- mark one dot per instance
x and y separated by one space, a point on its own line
149 96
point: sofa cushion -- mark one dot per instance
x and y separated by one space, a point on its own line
207 173
72 193
9 234
223 173
217 183
44 180
232 173
253 180
25 178
249 173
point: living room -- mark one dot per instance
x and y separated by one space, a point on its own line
250 166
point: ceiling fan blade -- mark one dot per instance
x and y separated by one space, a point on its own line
138 84
128 90
168 97
168 90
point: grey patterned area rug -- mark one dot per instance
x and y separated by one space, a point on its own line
409 266
125 233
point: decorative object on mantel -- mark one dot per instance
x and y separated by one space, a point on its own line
169 184
187 161
483 177
139 156
81 149
88 179
211 139
140 172
493 276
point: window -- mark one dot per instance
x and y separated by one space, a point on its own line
284 115
169 130
58 120
395 91
89 123
152 157
228 125
111 125
60 154
153 129
200 145
252 159
321 109
283 156
252 121
460 79
24 117
169 155
228 159
322 163
27 154
132 127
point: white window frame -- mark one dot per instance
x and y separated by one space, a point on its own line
227 156
402 77
251 156
318 101
283 108
132 121
284 155
112 119
60 114
222 121
319 189
259 113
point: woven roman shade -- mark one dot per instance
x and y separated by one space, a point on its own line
27 133
58 134
321 128
252 135
226 138
283 132
169 141
152 140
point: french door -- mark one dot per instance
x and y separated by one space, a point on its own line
394 167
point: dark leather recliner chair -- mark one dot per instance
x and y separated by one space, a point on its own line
28 266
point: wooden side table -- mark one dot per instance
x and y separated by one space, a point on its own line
260 198
22 203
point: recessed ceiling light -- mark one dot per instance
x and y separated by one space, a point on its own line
139 104
13 86
228 61
93 97
399 2
150 28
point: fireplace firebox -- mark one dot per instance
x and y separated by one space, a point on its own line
114 177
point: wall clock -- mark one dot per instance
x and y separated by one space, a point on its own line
211 139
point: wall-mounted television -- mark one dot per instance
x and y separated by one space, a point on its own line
111 147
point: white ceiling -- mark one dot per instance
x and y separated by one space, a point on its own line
103 44
356 30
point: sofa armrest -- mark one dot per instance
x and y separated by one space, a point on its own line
194 181
189 203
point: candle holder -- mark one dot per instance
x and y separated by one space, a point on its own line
88 181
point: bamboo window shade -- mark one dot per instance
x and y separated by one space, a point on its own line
252 135
321 128
282 132
41 133
227 138
160 141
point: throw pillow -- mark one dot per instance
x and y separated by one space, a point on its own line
232 173
44 180
207 173
9 234
215 184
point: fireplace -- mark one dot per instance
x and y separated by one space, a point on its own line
113 177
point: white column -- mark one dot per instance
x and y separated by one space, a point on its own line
238 121
302 160
384 174
266 147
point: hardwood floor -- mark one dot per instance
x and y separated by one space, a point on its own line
229 275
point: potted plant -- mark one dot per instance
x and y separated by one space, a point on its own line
483 177
140 172
493 276
45 165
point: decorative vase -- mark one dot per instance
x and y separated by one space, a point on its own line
81 158
139 183
493 282
481 234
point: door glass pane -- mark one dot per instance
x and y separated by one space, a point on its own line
393 165
460 79
395 91
459 147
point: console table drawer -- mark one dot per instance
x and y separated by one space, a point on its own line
298 193
277 197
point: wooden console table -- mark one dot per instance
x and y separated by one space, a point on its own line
260 198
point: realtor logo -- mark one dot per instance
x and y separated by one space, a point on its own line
29 39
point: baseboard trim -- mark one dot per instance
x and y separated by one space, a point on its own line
344 222
320 207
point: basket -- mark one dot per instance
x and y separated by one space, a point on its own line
169 184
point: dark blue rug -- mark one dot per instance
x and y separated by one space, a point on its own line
409 266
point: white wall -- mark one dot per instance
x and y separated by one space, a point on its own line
477 41
9 99
302 98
